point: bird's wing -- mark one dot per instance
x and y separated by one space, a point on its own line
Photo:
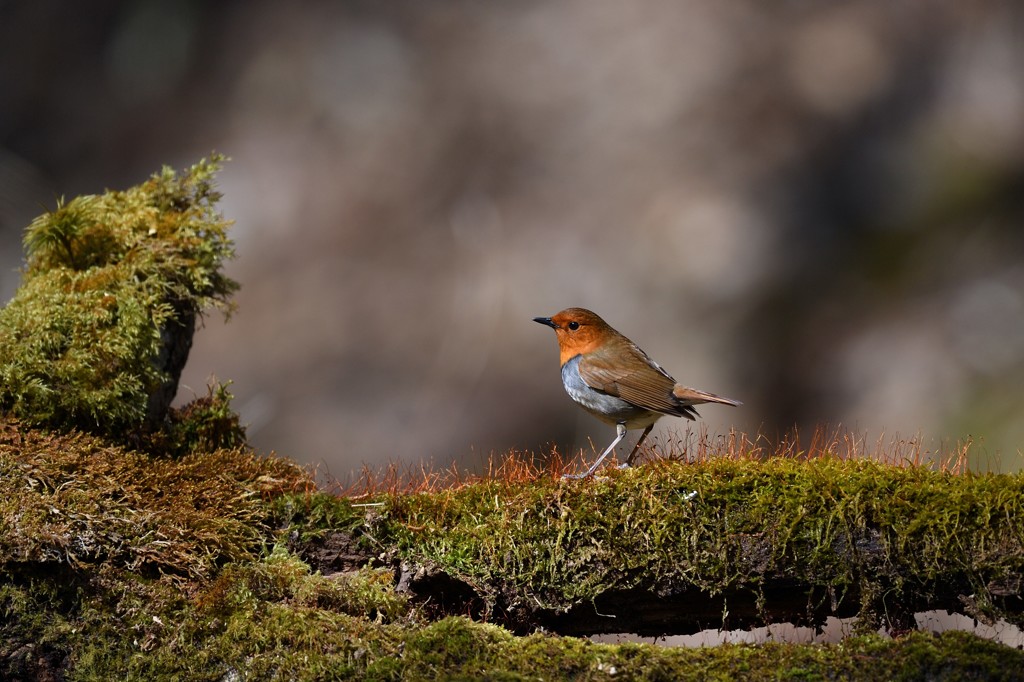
622 376
657 391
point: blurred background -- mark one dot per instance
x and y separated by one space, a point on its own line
815 208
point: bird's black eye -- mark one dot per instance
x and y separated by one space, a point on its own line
574 325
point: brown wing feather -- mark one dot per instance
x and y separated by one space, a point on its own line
642 382
692 396
634 378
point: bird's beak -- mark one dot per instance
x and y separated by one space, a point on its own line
546 320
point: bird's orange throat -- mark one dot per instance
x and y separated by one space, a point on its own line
577 346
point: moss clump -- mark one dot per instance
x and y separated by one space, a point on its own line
76 500
96 336
260 620
206 424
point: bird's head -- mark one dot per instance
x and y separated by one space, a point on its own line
578 331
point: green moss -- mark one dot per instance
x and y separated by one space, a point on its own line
886 535
310 515
129 628
75 499
269 619
97 334
458 649
206 424
284 577
118 565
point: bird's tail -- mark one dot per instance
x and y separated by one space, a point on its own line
691 396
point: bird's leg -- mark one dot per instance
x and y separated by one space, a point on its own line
636 448
620 429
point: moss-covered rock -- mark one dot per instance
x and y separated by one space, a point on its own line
97 335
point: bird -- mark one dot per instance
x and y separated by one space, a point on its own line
610 377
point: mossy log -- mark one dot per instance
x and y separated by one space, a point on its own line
116 564
675 548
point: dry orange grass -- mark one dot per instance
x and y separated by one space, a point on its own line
695 445
825 441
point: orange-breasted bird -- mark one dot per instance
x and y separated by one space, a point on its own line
611 378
